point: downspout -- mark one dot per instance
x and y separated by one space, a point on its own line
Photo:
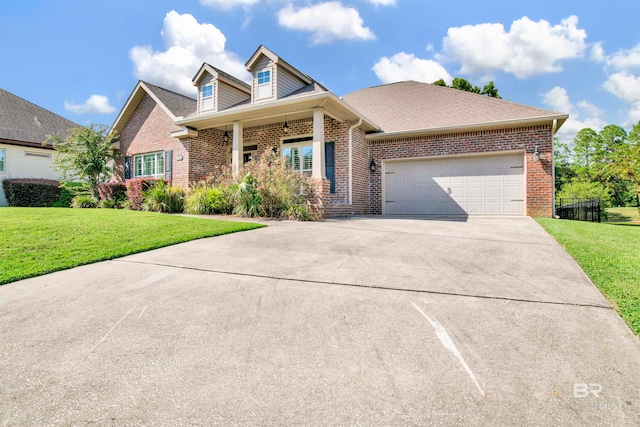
554 127
351 128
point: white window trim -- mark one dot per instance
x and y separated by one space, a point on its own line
4 161
300 144
203 98
158 174
269 83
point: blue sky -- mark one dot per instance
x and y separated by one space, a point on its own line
82 58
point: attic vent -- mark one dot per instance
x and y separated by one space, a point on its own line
35 119
38 155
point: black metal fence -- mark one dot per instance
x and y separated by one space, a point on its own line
579 209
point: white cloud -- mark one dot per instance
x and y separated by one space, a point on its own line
405 66
383 2
187 45
95 104
581 115
228 4
327 21
626 86
624 59
528 47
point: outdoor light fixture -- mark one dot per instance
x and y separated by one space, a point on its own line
536 154
285 128
372 165
225 137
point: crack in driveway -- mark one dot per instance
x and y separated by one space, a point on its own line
358 285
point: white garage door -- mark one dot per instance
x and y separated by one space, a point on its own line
479 185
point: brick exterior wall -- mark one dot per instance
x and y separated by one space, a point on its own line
539 175
206 152
148 130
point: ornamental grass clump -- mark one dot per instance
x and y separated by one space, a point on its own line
163 197
204 199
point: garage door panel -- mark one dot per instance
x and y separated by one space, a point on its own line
475 192
472 185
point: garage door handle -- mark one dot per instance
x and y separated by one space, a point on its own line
517 200
391 201
517 167
388 173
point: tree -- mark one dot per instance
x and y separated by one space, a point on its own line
564 172
462 84
491 91
626 159
86 154
585 145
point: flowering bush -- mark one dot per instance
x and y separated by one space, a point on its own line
115 192
266 187
135 189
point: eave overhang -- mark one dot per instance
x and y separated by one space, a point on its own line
256 114
500 124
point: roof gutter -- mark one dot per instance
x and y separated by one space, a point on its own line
560 118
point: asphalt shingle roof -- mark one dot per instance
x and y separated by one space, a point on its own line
179 105
25 122
410 105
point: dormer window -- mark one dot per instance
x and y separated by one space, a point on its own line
207 97
264 84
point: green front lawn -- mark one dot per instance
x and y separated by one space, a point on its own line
35 241
610 255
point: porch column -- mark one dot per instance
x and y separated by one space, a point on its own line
236 154
318 170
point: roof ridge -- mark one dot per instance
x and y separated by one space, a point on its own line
168 90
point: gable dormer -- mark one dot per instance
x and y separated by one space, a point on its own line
218 90
272 78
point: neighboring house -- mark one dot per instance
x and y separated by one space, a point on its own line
401 148
23 128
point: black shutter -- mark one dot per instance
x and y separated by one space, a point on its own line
127 167
168 164
329 170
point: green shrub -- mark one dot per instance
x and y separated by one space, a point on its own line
31 192
586 190
64 199
84 201
247 198
106 204
297 212
163 198
206 200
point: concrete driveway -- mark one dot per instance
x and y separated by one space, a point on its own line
366 321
